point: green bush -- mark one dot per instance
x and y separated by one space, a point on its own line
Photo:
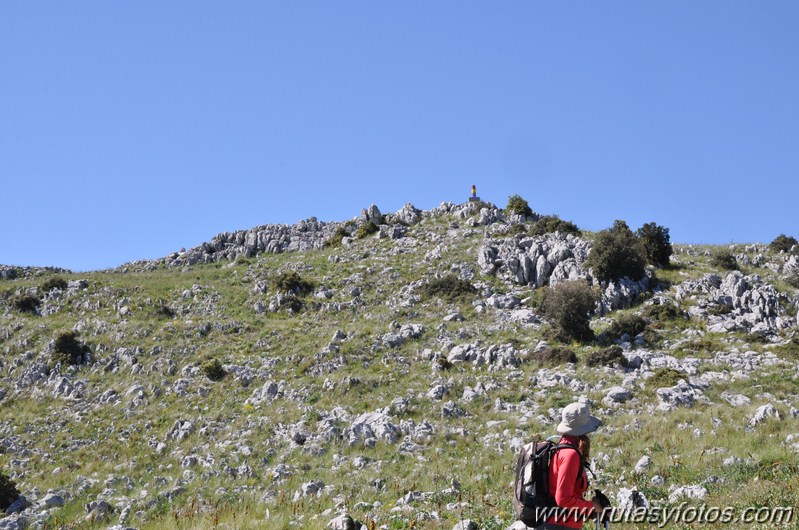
337 237
568 306
723 259
366 229
552 223
68 349
656 244
164 311
26 303
555 356
8 491
53 283
631 325
783 243
615 253
517 230
518 206
449 288
792 279
291 303
665 377
213 370
663 312
610 356
291 282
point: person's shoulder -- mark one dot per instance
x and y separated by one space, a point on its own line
567 452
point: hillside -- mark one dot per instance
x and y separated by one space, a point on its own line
291 376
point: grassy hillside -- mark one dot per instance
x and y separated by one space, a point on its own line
268 441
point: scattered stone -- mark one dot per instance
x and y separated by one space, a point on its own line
763 413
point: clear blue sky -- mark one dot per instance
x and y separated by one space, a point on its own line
131 129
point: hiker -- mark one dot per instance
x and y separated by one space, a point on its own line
568 481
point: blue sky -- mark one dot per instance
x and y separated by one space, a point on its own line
131 129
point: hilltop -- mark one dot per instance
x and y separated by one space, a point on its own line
385 370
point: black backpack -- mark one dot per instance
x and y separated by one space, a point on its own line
531 497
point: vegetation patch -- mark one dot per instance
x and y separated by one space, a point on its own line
549 224
555 356
656 244
610 356
665 377
337 237
723 259
631 324
617 253
8 491
291 282
568 306
213 370
449 288
783 243
789 350
68 349
56 282
663 313
366 229
26 303
518 206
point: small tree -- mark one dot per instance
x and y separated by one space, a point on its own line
615 253
656 244
568 306
783 243
518 206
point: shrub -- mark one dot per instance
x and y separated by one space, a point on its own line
450 288
723 259
290 303
68 349
552 223
663 312
517 230
213 370
568 306
8 491
665 377
783 243
26 303
792 279
631 325
53 283
366 229
656 244
164 311
291 282
615 253
518 206
555 356
337 237
609 356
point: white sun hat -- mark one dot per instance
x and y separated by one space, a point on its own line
576 420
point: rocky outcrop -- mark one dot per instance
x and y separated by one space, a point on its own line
737 303
551 259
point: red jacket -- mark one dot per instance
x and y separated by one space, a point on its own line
568 483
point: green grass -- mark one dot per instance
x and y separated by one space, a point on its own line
219 321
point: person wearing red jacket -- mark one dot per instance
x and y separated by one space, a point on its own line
568 481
